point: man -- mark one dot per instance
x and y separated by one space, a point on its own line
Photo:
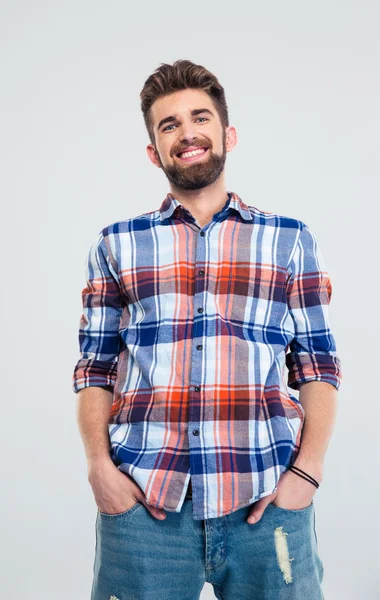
191 313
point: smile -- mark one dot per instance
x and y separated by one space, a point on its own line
192 155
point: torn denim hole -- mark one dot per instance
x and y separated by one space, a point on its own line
284 562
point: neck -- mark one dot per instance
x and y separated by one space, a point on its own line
203 203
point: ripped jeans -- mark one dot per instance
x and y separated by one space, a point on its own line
139 557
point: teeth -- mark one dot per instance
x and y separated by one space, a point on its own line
193 153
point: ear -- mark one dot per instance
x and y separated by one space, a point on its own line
231 138
153 156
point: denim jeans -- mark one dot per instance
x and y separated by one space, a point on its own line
138 557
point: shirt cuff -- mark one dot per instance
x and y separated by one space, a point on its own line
90 372
305 367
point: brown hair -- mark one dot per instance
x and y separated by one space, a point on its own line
182 74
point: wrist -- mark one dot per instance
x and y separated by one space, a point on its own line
96 464
314 468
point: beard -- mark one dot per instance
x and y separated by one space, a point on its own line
198 175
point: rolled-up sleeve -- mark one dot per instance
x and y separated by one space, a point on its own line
313 354
99 322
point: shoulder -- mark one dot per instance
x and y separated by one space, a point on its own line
136 223
277 220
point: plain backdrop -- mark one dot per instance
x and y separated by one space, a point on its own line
302 86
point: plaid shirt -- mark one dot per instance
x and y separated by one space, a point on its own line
193 328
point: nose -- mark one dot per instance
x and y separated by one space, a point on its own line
188 132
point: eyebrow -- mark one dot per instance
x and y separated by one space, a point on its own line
194 112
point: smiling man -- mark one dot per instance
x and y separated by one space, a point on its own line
198 320
190 164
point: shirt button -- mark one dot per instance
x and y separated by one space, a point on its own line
195 431
199 347
202 233
201 272
197 388
200 310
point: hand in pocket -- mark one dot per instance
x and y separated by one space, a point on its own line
116 492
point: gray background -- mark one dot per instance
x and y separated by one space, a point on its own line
302 85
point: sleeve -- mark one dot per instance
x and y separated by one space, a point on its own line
312 355
99 322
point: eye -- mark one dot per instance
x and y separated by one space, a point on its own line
197 119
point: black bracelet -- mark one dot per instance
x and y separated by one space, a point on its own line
308 477
307 474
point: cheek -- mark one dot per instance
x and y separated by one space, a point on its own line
165 153
162 155
216 140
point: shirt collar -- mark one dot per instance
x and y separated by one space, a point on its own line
170 204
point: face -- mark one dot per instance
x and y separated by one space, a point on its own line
187 122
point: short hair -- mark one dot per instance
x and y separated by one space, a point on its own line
181 75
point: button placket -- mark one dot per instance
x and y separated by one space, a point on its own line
197 336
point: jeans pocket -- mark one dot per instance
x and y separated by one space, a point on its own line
294 510
125 513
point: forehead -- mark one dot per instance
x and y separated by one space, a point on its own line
180 104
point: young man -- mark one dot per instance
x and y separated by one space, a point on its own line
191 314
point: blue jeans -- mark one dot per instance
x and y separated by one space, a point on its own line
138 557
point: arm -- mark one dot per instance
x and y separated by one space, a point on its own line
94 378
93 410
94 374
319 400
99 342
314 367
114 491
312 355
